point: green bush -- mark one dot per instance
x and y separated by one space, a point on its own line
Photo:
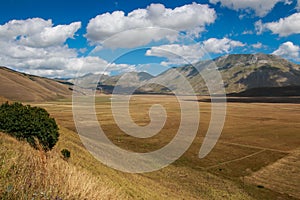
32 124
66 153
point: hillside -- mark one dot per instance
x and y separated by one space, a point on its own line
26 173
274 176
23 87
284 91
240 72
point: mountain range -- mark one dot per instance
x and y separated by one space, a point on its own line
242 75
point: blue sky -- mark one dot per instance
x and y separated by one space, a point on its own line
65 39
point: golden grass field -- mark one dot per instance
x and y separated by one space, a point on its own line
256 157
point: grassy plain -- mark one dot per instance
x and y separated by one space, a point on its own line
256 157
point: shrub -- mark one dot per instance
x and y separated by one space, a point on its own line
66 153
32 124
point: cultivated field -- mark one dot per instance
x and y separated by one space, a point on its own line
256 157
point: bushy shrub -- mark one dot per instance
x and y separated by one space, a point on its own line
66 154
32 124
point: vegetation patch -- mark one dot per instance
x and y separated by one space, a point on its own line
32 124
66 154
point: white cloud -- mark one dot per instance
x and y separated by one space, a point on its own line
214 45
36 46
288 50
138 37
177 54
298 5
183 54
260 7
259 27
247 32
92 64
37 32
191 18
73 67
284 27
257 45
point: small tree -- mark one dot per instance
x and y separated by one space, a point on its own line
29 123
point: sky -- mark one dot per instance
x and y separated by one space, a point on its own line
65 39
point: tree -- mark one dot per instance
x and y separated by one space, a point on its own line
32 124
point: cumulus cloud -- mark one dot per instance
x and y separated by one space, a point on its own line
288 50
138 37
181 54
191 18
261 8
177 54
284 27
214 45
38 47
37 32
74 67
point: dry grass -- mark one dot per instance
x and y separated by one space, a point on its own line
3 100
26 173
255 136
20 87
275 176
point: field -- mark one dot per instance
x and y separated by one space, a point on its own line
256 157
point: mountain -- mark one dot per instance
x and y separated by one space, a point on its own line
107 83
243 72
18 86
89 80
240 72
130 78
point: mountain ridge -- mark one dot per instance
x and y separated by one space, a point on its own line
240 72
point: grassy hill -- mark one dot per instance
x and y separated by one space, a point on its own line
23 87
26 173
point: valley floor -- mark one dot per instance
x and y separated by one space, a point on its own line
256 156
